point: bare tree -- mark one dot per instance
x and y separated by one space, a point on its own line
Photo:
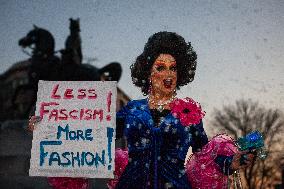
246 116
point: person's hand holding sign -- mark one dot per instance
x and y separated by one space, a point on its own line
32 122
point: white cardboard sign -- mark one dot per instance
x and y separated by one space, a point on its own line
76 136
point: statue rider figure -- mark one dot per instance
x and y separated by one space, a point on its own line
72 54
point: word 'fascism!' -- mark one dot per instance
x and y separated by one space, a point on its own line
54 113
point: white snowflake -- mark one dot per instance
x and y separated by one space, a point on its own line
176 121
147 165
174 160
168 185
144 141
143 107
182 171
167 128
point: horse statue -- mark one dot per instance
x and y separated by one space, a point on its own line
44 64
42 40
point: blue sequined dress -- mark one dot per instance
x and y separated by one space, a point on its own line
157 151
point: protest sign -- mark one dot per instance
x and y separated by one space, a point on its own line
76 135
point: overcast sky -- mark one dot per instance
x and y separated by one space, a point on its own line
240 44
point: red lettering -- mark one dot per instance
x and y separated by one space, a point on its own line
108 117
100 112
93 92
88 113
109 101
81 113
42 107
73 116
53 93
68 94
63 113
82 93
53 113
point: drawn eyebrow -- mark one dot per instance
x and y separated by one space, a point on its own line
160 64
162 61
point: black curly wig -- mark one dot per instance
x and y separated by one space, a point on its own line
164 43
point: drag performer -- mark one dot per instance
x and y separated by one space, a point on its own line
161 128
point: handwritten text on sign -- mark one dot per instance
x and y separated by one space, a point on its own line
75 137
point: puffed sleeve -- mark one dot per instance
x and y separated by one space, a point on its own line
199 137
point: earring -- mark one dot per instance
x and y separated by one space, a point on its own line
175 93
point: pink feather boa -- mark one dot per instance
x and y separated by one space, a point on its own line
201 168
121 160
67 183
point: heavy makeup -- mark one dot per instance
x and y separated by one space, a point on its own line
163 78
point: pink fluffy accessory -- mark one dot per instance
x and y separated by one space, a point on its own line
121 160
202 171
187 110
68 183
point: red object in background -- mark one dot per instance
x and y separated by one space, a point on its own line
68 183
121 161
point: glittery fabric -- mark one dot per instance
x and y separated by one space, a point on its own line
209 168
156 151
